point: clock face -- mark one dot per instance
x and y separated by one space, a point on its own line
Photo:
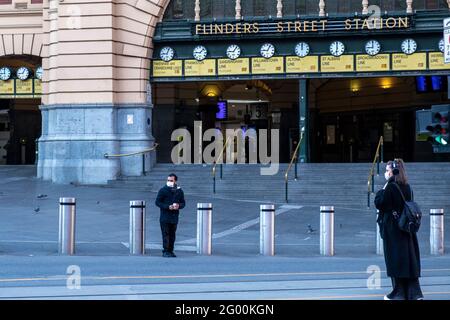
167 54
373 47
200 53
409 46
38 73
5 73
337 48
23 73
442 45
233 52
302 49
267 50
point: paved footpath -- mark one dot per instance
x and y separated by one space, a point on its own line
30 267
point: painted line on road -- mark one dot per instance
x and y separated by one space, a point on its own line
200 276
245 225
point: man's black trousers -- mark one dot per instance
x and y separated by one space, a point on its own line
168 235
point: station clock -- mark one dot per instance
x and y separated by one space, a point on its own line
166 54
23 73
373 47
5 73
233 51
200 53
409 46
267 50
442 45
337 48
302 49
38 73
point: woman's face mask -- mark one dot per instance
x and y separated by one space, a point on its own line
388 173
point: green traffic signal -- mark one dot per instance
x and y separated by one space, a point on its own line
440 139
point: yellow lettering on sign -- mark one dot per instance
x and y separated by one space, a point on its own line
24 87
267 66
7 87
167 69
436 61
37 87
233 67
194 68
302 65
404 62
343 63
366 63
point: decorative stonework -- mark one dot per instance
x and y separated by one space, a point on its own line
197 10
322 8
280 8
409 8
238 10
365 5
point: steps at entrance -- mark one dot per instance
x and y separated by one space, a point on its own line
338 184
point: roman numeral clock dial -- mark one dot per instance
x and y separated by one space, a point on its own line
409 46
337 48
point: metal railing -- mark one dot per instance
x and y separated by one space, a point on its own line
221 165
286 175
379 155
142 152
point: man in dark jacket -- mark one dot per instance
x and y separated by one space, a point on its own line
170 200
401 249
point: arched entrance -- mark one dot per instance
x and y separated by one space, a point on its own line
20 117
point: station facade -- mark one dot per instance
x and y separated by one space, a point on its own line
114 77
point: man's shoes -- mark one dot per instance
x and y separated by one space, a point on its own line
166 255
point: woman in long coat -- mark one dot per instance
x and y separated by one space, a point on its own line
401 249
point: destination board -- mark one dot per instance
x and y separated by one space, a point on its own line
436 61
337 64
302 65
267 66
228 67
366 63
194 68
404 62
167 69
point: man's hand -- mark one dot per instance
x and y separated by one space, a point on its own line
176 206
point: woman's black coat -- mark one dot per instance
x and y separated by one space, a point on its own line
401 249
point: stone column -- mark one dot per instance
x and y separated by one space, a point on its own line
365 5
322 8
95 88
279 9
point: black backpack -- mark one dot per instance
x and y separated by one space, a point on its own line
410 218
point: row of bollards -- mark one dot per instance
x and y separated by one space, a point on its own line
67 215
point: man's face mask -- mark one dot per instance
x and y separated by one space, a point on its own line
170 182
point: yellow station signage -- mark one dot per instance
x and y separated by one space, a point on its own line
337 64
24 87
7 87
37 87
167 69
302 65
227 67
404 62
267 66
366 63
194 68
436 61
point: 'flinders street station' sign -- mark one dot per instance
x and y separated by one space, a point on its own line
303 26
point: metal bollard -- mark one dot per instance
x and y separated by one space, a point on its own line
327 230
437 231
67 212
380 248
137 227
267 230
204 228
